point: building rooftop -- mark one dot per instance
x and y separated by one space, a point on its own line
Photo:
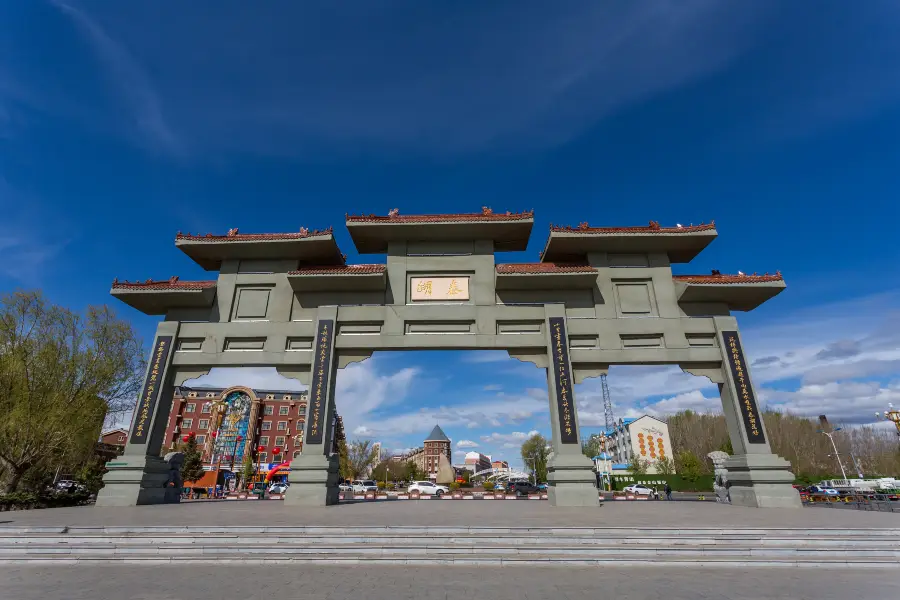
308 247
437 435
509 231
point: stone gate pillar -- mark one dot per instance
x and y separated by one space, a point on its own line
570 476
757 477
314 474
139 475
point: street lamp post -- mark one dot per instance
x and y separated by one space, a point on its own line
237 441
837 454
259 451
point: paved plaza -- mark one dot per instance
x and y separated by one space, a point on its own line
433 583
485 513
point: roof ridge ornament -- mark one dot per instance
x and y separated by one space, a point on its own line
232 232
655 225
583 225
394 212
486 210
304 231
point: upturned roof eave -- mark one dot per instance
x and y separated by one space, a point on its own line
739 296
161 301
372 237
210 252
681 247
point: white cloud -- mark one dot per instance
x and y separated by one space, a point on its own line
508 440
492 388
466 444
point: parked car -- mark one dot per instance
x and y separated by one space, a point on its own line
499 487
361 487
429 488
278 488
638 490
817 489
542 487
523 488
345 487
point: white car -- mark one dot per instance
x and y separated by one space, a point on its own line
428 488
361 487
278 488
638 490
345 487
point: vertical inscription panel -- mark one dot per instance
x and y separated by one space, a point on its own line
152 387
318 389
565 396
745 396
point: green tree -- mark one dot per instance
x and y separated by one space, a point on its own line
192 468
361 454
413 472
535 452
688 465
665 466
91 475
591 447
639 466
61 375
247 471
344 460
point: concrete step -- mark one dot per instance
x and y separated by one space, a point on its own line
253 541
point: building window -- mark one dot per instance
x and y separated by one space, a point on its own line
210 394
264 440
207 407
283 410
269 410
192 395
286 398
301 410
186 423
201 439
121 438
190 407
279 441
270 396
266 426
204 424
282 425
263 457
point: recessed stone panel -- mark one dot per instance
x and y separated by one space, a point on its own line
584 341
360 327
701 340
445 289
628 260
651 340
251 303
249 343
189 345
299 343
634 298
529 326
414 327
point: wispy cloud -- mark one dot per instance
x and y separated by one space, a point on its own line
128 79
29 239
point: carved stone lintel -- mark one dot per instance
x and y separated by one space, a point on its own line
584 371
536 357
712 371
356 356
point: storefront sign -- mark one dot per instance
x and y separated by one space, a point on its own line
745 397
439 288
153 385
565 395
321 379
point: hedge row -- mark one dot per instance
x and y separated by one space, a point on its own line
703 483
28 500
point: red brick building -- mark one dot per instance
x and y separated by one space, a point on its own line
436 444
114 437
231 424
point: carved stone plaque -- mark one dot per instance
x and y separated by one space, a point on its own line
439 288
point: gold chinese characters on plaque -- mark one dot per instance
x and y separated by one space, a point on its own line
439 288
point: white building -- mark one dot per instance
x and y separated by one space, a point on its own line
646 438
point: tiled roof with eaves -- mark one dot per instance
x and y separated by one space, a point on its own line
173 283
728 279
538 268
234 236
653 227
486 215
340 270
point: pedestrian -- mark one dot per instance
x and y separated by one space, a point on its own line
668 491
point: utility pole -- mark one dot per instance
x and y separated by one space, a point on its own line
823 421
607 405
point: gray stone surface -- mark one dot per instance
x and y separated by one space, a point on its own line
499 513
432 583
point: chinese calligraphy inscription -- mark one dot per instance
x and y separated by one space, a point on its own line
153 385
745 397
321 379
439 288
565 395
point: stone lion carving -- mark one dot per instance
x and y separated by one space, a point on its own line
720 484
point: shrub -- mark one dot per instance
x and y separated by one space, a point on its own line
489 486
454 486
27 500
382 485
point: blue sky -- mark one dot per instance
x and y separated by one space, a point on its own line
124 122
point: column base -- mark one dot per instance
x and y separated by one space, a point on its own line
572 481
761 481
314 480
135 480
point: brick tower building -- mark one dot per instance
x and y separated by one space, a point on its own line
436 444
